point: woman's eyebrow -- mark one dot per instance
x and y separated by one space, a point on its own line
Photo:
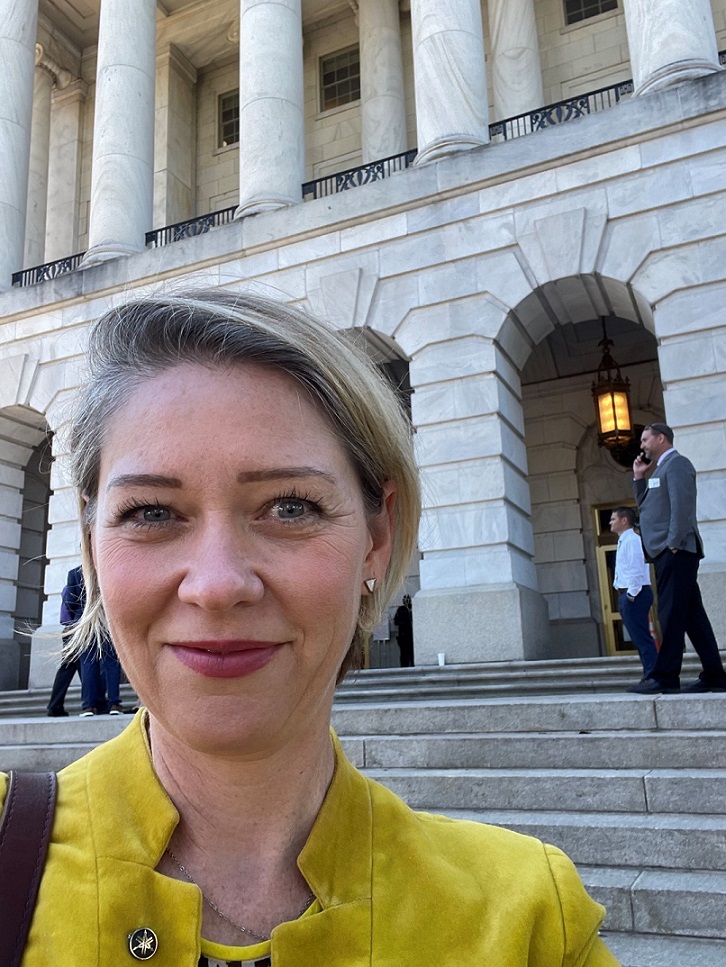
243 477
283 473
143 480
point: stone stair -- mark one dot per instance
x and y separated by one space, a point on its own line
556 677
633 788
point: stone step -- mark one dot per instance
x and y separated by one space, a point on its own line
503 679
640 840
569 713
561 750
696 791
648 950
674 902
42 758
23 702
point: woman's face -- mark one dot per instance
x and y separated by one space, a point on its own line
231 544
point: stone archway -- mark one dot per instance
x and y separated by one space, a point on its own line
569 476
25 490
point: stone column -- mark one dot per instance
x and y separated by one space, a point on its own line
18 27
64 171
47 75
122 178
670 41
176 138
516 69
452 107
271 106
383 105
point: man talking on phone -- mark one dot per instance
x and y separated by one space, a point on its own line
666 500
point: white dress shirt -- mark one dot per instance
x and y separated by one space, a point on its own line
631 571
662 457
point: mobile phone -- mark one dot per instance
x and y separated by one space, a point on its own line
643 457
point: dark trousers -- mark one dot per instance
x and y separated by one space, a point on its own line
100 678
63 678
635 619
681 613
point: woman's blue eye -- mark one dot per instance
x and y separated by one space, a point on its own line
290 509
155 515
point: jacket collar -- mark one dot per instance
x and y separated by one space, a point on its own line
336 860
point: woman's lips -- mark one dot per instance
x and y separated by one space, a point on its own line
224 659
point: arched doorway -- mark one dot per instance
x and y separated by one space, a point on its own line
25 490
574 483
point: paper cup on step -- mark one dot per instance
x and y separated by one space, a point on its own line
442 658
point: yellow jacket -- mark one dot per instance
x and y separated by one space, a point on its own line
397 888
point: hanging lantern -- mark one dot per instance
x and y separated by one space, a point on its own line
612 399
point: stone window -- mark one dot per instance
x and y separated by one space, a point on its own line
577 10
228 119
340 78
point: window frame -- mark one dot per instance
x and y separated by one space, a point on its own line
581 20
222 143
322 87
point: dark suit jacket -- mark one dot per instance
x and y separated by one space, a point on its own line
667 507
73 597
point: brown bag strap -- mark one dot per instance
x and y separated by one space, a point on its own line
24 836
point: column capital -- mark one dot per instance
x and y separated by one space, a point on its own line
43 61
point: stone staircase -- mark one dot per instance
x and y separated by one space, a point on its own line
556 677
633 788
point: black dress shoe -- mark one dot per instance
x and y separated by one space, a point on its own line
56 713
699 686
652 686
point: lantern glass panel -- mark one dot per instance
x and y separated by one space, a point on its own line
607 412
622 414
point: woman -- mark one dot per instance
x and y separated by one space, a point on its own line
249 504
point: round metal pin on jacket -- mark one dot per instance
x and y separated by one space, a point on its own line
143 943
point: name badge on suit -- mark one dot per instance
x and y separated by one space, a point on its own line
653 483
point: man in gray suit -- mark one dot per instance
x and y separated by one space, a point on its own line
667 506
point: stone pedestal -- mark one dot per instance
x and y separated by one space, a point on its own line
271 106
495 622
383 106
516 69
64 171
47 75
670 41
122 180
452 111
18 26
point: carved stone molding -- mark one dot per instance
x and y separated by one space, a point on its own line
60 76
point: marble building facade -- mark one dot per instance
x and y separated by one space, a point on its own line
485 266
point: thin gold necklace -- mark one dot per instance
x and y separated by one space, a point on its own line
238 926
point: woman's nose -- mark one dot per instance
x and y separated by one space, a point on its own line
221 571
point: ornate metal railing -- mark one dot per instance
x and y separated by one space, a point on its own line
190 228
561 112
355 177
49 270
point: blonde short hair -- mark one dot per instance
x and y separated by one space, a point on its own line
137 341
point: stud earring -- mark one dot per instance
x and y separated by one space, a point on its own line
370 584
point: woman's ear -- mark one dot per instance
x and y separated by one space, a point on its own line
382 528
